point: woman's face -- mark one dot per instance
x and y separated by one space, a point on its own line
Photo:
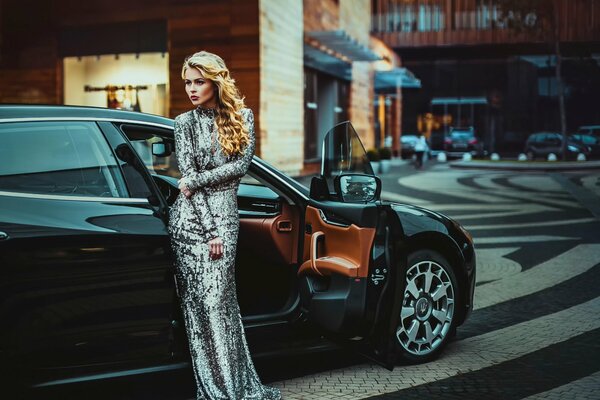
200 91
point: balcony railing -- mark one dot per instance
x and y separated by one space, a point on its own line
413 23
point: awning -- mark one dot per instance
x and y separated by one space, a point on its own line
343 44
440 101
395 78
321 61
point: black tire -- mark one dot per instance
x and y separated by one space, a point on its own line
440 300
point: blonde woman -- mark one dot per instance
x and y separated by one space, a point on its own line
214 145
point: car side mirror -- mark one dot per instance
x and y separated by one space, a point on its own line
357 188
162 149
318 188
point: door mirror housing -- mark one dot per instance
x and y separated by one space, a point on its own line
318 188
161 149
357 188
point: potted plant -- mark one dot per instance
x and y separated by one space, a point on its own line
385 156
373 156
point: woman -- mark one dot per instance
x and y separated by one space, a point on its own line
214 145
420 148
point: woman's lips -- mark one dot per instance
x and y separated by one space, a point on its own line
194 97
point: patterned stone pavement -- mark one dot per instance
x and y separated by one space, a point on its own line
535 331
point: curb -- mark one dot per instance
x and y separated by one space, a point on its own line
527 165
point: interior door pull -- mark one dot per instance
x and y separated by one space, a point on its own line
284 225
314 251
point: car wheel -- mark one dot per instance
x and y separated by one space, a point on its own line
428 314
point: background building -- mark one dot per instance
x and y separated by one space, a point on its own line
477 72
302 65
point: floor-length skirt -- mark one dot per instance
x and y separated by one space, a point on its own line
220 357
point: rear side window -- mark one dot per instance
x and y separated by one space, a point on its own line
58 158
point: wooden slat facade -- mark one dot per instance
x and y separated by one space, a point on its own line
469 22
31 71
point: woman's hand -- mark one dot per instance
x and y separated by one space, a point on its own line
184 189
216 248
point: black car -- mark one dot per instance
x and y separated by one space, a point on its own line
541 144
461 141
590 141
86 286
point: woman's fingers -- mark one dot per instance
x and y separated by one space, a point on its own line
216 248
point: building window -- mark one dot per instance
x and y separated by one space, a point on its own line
326 102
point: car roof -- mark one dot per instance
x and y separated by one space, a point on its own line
34 112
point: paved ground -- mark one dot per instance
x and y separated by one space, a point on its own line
535 331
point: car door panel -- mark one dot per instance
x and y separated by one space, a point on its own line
335 255
277 234
351 269
85 279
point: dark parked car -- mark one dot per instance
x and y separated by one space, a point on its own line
593 130
86 280
591 142
461 141
541 144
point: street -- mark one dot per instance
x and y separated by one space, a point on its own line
535 328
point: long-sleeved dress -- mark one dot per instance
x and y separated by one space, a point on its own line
221 361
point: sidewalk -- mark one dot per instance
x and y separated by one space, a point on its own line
526 165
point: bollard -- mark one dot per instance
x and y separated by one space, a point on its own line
467 157
522 157
551 157
581 157
495 157
441 157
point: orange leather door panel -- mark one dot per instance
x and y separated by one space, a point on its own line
277 237
343 251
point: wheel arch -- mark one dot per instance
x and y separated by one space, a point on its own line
444 245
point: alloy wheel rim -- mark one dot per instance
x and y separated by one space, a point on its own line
427 308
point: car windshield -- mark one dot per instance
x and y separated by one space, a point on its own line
585 139
461 135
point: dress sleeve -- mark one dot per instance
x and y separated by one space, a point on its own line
184 155
230 170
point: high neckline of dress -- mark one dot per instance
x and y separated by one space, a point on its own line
206 112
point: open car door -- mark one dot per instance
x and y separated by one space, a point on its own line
350 276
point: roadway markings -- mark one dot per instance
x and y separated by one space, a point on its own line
585 388
499 340
460 357
559 269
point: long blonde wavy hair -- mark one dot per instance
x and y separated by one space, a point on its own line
233 133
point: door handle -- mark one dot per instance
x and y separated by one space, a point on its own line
314 242
3 235
284 225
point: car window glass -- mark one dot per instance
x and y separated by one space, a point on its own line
59 158
586 139
461 135
142 138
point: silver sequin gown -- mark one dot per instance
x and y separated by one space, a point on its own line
221 361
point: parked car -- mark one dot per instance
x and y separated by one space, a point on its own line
591 142
461 141
541 144
86 285
593 130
